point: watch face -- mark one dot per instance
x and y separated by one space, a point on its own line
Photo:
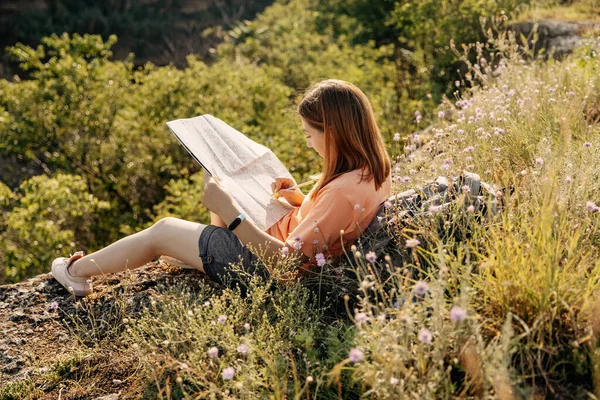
235 223
238 220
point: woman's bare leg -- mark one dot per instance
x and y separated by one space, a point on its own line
170 237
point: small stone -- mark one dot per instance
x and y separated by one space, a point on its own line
112 396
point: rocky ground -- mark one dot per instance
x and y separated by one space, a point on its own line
53 345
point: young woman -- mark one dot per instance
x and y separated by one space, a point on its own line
340 126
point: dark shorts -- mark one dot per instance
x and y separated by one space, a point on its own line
219 247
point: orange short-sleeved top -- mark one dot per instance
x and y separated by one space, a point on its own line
343 204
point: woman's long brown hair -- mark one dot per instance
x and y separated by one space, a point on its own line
344 114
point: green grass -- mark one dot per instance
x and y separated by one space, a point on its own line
20 390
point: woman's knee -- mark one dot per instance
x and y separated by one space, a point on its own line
163 226
161 230
174 237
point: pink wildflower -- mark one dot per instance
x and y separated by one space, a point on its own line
591 206
213 352
228 373
421 288
410 243
371 256
355 355
361 317
425 336
242 349
320 259
458 314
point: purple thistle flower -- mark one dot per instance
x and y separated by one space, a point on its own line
297 238
421 288
458 314
591 206
361 317
539 161
441 114
53 306
396 137
228 373
222 319
298 245
568 179
355 355
320 259
356 206
425 336
242 349
213 352
284 251
371 257
418 117
587 144
387 204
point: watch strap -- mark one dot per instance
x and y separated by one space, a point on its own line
236 221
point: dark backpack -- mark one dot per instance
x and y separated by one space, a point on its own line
438 195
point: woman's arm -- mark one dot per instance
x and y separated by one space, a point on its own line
219 201
248 232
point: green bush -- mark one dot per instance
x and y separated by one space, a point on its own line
51 217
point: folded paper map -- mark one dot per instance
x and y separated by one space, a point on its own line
243 167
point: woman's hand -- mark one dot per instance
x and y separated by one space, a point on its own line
293 196
216 198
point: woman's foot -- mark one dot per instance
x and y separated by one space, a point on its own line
79 286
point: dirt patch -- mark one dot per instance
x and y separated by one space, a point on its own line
55 346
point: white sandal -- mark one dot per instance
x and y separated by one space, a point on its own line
78 285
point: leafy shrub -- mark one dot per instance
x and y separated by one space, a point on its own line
53 216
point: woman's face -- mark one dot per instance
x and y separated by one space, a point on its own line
314 138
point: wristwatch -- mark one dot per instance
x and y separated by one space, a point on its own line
238 220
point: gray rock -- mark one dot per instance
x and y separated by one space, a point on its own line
556 37
17 316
